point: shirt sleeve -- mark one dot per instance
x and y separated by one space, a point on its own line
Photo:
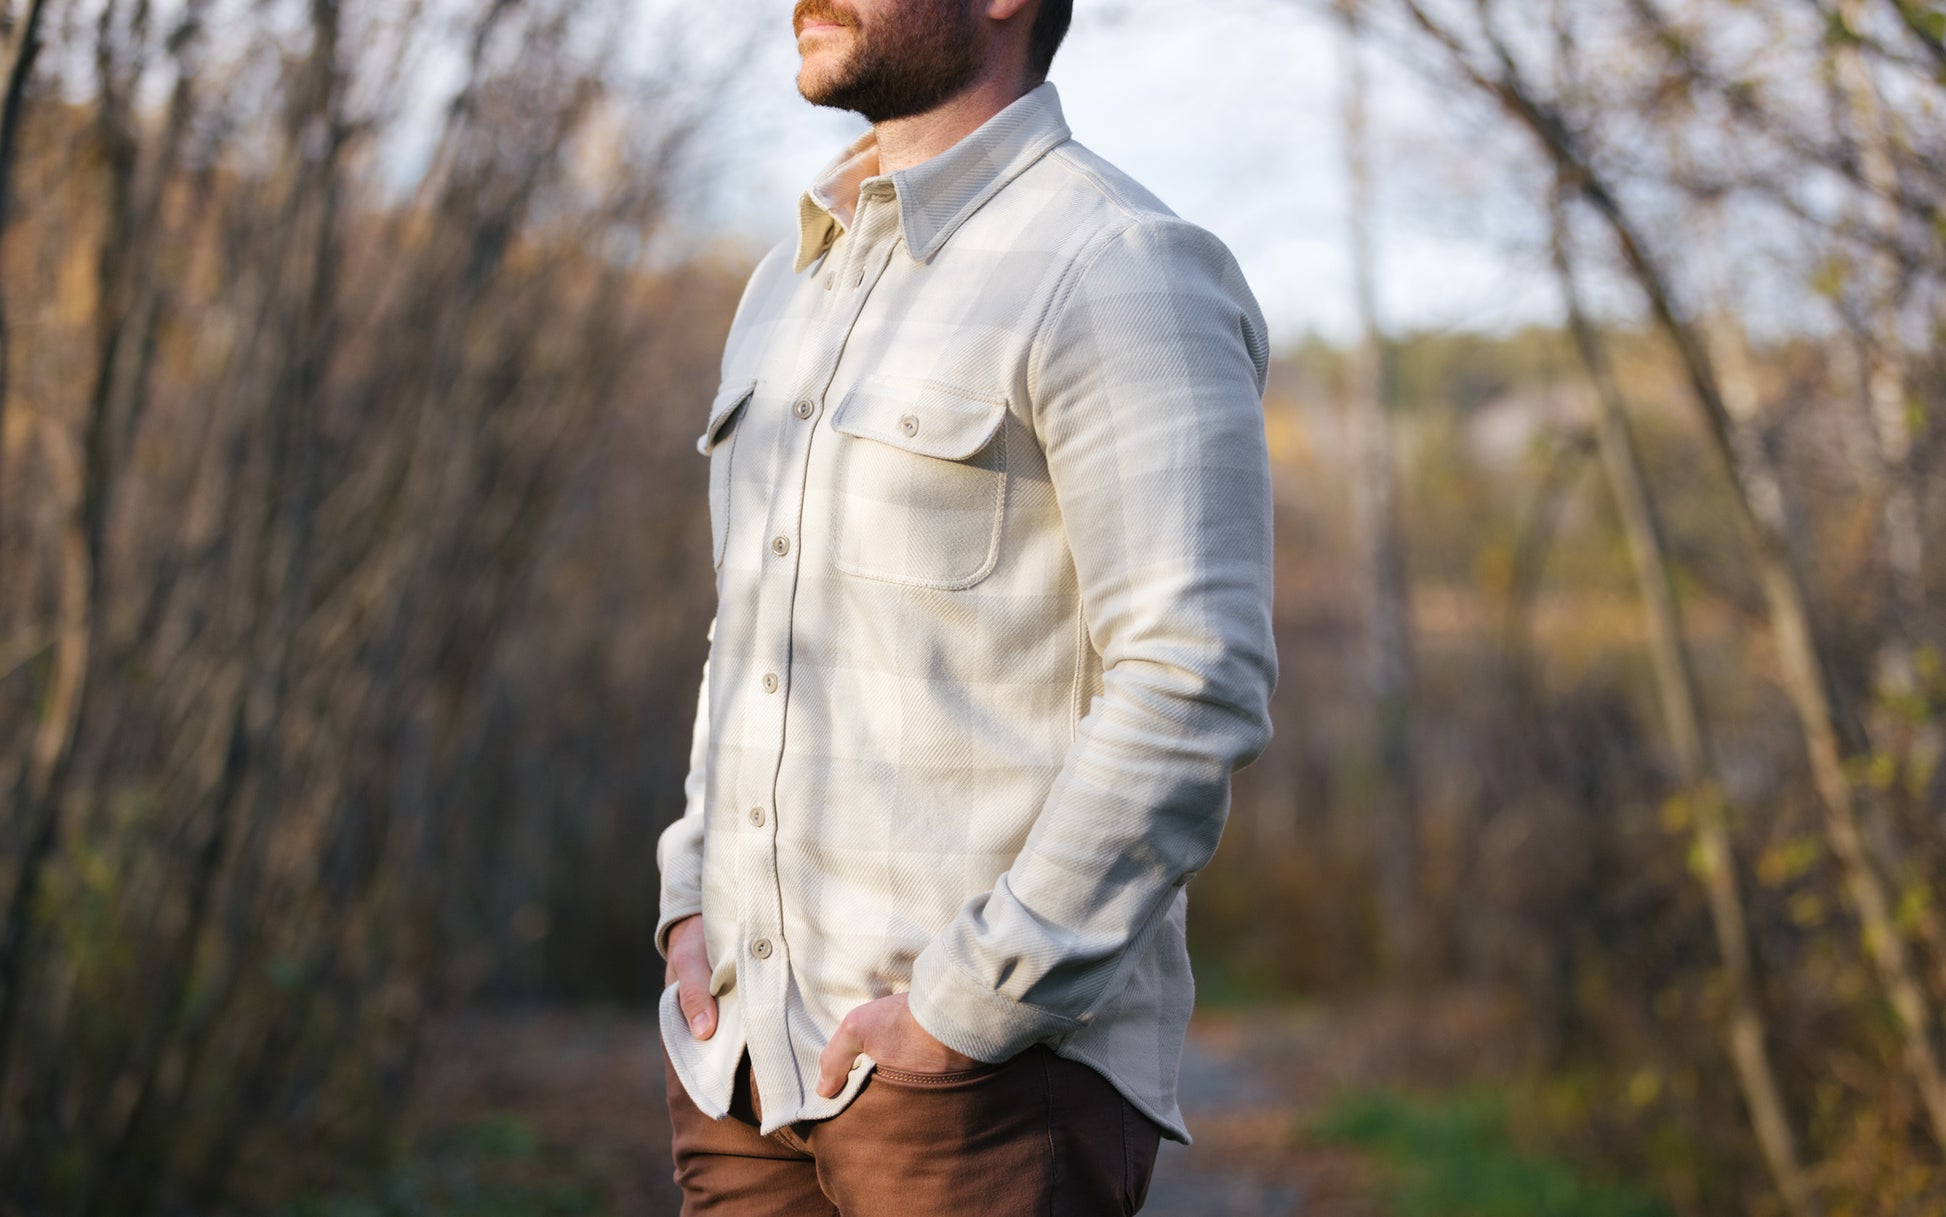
1148 399
679 851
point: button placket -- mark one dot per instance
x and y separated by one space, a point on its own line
861 255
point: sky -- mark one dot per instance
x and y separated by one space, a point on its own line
1229 110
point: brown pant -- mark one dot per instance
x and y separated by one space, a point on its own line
1034 1136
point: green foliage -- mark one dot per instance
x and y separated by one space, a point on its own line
1933 21
496 1166
1837 31
503 1137
1452 1157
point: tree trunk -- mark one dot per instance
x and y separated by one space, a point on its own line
1884 371
1689 741
18 47
1395 841
48 763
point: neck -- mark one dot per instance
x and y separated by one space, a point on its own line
905 142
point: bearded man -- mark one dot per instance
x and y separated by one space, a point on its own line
990 516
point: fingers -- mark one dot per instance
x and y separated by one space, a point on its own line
845 1045
689 964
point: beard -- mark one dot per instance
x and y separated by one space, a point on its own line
908 65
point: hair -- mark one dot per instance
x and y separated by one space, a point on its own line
1050 26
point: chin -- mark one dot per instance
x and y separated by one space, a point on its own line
814 85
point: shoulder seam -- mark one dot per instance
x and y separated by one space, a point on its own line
1058 299
778 252
1108 190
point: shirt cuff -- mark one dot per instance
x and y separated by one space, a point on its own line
672 914
957 1010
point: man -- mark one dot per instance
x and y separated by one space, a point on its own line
990 514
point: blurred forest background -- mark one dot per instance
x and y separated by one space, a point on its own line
353 586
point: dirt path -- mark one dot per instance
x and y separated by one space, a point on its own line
589 1088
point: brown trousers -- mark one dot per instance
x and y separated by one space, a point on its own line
1034 1136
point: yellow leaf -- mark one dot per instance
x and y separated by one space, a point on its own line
1806 909
1643 1087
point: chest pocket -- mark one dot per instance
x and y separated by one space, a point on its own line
921 483
718 442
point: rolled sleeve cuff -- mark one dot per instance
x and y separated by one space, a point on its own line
671 914
972 1019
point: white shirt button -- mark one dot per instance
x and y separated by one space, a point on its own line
761 948
780 546
770 682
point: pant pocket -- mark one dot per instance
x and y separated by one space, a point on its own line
1141 1139
910 1077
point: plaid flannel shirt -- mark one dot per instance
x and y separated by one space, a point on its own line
991 521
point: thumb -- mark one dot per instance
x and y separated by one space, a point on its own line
690 956
836 1059
698 1007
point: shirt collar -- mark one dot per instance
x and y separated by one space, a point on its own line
937 195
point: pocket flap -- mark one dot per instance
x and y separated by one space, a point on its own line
919 416
728 398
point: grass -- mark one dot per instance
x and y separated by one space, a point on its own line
497 1166
1452 1157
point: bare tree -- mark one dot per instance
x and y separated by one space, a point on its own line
20 43
1489 64
306 492
1395 822
1689 739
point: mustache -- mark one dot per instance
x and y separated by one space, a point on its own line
818 10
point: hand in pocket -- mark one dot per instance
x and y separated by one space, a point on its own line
886 1030
689 967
